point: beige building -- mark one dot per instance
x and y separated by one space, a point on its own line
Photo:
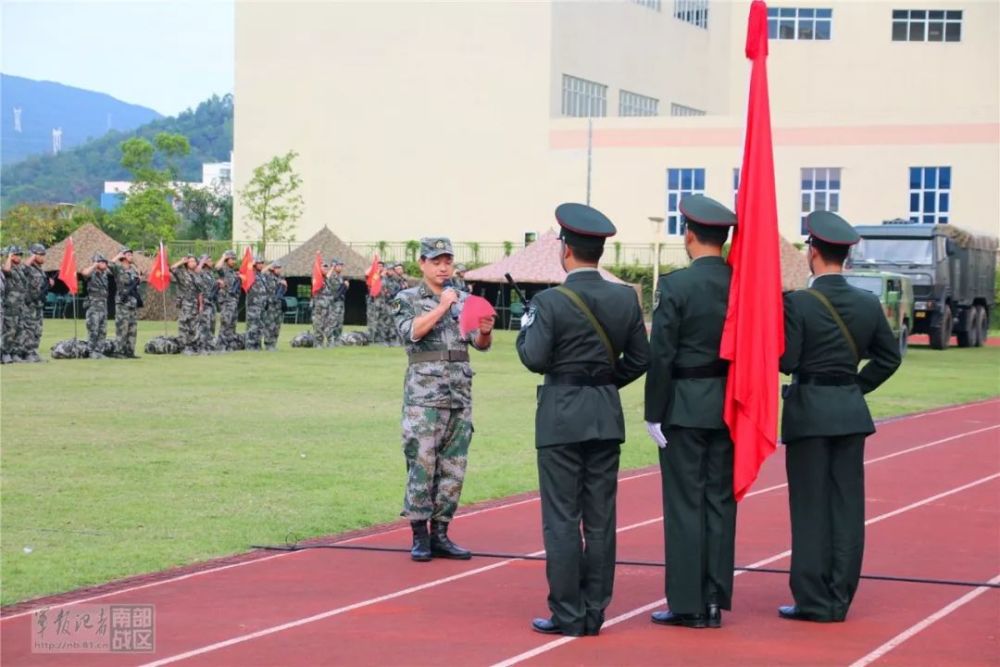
470 118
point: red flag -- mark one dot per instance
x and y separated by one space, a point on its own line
247 275
474 308
373 277
319 278
159 277
67 268
753 338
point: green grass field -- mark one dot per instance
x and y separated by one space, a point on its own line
116 467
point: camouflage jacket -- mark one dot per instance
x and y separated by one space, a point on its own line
326 292
459 284
36 285
433 384
206 286
126 284
231 284
260 290
335 282
187 283
97 285
16 284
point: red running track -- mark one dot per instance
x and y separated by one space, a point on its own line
933 484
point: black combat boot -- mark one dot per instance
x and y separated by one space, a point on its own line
442 547
421 550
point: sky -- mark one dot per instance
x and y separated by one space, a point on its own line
164 54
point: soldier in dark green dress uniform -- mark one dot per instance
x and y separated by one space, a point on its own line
589 339
829 328
685 391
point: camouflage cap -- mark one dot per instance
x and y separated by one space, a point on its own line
276 264
229 254
37 249
98 257
124 249
15 250
336 261
188 256
205 258
461 267
435 246
258 259
398 265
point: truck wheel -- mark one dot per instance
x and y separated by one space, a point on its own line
904 339
982 325
940 334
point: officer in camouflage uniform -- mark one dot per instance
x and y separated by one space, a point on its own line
185 273
257 304
127 302
229 301
321 302
13 300
33 309
458 281
340 287
376 310
437 400
97 276
685 392
275 314
208 290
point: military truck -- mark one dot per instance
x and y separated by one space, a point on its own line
895 292
953 274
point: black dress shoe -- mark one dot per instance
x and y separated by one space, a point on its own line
683 620
793 613
713 616
549 627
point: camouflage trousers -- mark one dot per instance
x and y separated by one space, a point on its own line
228 311
206 327
11 325
273 317
97 323
321 320
256 312
30 335
187 325
125 328
436 447
336 322
387 327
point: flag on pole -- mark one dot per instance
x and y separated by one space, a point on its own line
67 268
159 277
247 275
753 338
373 278
319 278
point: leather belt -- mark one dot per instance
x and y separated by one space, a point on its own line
579 379
717 369
439 355
828 379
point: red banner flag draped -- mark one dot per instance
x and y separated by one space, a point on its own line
159 277
753 338
319 278
247 275
373 277
67 268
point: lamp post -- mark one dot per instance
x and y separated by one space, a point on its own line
657 232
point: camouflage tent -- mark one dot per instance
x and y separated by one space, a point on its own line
299 262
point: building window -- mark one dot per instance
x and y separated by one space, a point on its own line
923 25
633 104
694 12
799 23
681 183
930 194
736 186
582 98
225 174
820 192
681 110
650 4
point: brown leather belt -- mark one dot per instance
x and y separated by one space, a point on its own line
440 355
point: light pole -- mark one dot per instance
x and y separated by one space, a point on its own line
657 231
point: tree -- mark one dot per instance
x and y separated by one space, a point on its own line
45 223
148 215
271 200
207 213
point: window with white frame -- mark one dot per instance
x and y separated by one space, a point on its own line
694 12
681 183
820 191
582 98
649 4
634 104
926 25
930 194
799 23
681 110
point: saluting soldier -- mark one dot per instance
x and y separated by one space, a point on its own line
437 400
458 282
322 302
589 340
685 391
185 274
257 303
340 287
37 286
97 275
829 328
127 302
13 298
208 290
275 313
229 299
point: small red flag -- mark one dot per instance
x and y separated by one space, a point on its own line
159 277
373 277
67 268
247 275
474 308
319 278
753 338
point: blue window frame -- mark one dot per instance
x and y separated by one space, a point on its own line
930 195
680 183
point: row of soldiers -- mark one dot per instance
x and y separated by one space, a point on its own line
23 290
381 323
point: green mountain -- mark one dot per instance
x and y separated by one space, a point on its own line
78 174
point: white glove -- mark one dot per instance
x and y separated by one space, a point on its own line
656 433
